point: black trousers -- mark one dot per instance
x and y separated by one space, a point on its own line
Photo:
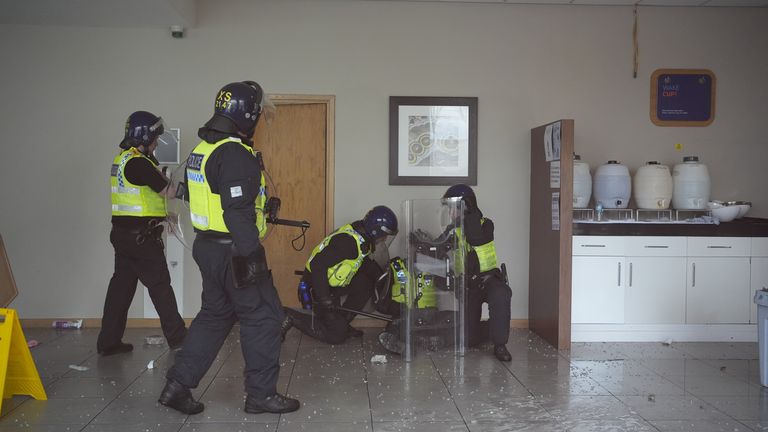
133 263
498 295
331 327
257 307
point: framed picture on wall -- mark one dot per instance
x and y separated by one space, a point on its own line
432 140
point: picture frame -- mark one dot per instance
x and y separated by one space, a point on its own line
683 97
432 140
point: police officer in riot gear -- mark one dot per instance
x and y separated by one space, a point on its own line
226 194
485 281
341 265
139 192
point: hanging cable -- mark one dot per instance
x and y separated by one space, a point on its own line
634 44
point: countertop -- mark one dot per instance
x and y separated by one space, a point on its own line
744 227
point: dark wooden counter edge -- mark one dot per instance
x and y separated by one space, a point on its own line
744 227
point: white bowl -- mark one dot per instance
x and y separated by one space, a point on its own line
743 209
725 214
743 206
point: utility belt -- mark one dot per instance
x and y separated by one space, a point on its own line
152 230
482 278
220 238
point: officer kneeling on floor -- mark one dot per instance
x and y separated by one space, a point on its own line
485 283
226 200
341 266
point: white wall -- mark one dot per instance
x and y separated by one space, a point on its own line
66 92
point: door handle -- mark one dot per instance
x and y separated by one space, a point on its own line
694 275
630 274
656 247
618 281
719 247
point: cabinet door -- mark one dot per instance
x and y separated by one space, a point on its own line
598 290
717 290
759 281
655 290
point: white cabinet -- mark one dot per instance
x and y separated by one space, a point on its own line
597 284
655 292
718 280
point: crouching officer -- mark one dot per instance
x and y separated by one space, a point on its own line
226 195
485 282
338 266
139 191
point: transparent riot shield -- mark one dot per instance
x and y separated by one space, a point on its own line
433 315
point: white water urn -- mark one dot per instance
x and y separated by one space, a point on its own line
582 183
612 185
652 185
691 185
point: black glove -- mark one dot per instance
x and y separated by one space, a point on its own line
248 270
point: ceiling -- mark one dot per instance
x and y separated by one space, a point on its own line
166 13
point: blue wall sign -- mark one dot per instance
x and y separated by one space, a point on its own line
682 97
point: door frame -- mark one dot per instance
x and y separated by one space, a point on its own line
330 120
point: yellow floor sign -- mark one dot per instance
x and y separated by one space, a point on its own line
18 374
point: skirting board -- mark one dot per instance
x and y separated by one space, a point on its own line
664 332
155 323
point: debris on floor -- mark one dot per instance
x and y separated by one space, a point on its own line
154 340
379 359
32 343
151 364
79 368
75 324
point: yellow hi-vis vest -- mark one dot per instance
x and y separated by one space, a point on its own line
486 253
204 205
342 273
405 289
129 199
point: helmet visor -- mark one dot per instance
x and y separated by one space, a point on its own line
156 129
451 211
384 241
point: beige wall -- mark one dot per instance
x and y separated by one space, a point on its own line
66 92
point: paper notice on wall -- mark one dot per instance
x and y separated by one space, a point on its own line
556 141
555 211
548 154
554 174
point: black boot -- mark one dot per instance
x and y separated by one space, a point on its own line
286 325
501 353
276 404
353 332
391 342
116 349
175 395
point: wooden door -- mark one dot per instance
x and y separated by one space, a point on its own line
296 147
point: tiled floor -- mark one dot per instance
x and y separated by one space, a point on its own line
594 387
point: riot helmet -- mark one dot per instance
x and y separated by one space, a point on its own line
379 223
238 107
464 193
142 128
